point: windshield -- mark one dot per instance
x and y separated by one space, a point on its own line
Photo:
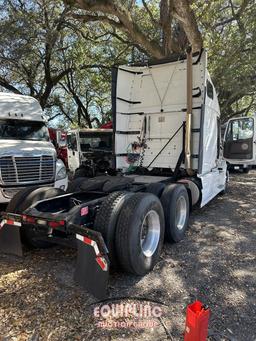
240 129
23 130
95 141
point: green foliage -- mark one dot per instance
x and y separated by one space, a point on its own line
229 34
43 54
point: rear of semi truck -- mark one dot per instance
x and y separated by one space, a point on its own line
158 116
168 159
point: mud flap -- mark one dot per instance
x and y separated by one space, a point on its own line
92 269
10 240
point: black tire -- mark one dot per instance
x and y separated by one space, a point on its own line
80 172
171 197
156 188
246 170
106 220
75 185
14 205
23 200
129 228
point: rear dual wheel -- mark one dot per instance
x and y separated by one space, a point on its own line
132 226
175 201
140 233
106 221
176 205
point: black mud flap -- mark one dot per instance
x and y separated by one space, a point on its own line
10 240
92 268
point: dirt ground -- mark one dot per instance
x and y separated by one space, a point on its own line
215 263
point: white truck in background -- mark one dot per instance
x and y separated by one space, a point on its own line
240 143
27 157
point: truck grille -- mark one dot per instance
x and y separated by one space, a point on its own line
25 170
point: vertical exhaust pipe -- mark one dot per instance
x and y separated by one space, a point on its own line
188 163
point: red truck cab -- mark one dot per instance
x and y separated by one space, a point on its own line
59 140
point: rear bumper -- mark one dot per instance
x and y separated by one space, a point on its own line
239 166
92 268
241 163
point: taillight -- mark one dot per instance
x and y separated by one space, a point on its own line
54 224
28 219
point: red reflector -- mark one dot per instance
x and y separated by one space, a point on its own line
28 219
102 263
84 211
54 224
87 241
9 222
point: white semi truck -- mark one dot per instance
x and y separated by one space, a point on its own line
168 159
27 157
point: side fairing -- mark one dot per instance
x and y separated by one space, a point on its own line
210 129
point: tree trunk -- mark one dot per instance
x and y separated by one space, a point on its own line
187 18
166 23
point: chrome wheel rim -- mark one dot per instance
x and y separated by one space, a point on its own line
150 233
181 213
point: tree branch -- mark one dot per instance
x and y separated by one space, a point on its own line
53 117
5 84
235 15
103 18
60 105
154 21
127 42
125 21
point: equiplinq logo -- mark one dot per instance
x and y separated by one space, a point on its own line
136 313
121 310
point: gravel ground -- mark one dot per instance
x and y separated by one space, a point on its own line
215 263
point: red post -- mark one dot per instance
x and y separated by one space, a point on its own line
197 322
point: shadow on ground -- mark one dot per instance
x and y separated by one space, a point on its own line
215 263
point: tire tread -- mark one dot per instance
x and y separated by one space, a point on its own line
103 220
166 198
123 228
